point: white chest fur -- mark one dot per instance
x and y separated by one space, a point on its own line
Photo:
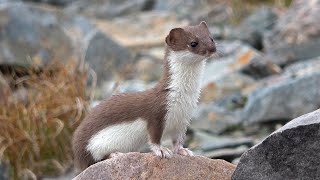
186 70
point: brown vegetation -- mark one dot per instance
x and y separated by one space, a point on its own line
38 114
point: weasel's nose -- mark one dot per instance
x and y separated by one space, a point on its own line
212 49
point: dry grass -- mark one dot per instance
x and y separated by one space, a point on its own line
36 129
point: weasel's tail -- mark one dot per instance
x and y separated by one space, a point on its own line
82 158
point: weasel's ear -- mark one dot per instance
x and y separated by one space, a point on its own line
203 24
175 36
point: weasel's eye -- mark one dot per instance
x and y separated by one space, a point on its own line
211 39
194 44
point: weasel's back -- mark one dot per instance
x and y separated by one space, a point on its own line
116 110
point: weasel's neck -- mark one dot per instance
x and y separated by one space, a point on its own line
183 72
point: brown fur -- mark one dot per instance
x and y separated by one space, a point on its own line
149 105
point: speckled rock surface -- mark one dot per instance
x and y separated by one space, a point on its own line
291 152
148 166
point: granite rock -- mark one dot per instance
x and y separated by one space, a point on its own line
291 152
149 166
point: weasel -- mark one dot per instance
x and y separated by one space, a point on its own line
126 122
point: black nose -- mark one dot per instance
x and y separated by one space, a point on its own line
212 49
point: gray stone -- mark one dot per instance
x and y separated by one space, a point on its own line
308 66
25 37
226 86
221 76
109 8
283 54
57 36
299 88
106 56
252 28
227 142
179 7
210 117
208 142
296 34
291 152
232 56
223 32
174 4
227 154
261 67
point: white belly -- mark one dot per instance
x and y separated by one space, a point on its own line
125 137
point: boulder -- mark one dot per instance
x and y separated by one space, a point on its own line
106 56
149 166
286 96
291 152
27 39
296 34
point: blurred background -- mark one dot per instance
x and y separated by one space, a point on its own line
58 58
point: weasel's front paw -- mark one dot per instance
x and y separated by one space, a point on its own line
161 151
183 151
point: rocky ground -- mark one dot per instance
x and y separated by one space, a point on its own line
147 166
266 71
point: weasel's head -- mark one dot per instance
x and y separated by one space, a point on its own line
195 42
